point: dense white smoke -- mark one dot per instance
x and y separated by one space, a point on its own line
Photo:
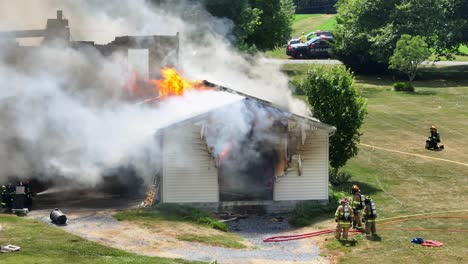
61 110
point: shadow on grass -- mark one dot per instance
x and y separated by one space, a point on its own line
418 93
375 238
366 188
348 243
429 77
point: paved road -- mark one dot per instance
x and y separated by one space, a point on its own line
328 61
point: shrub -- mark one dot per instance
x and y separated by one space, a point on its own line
403 87
335 101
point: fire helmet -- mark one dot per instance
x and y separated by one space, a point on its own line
355 188
433 128
367 198
344 200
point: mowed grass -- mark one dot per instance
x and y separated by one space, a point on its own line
305 23
312 22
45 244
404 184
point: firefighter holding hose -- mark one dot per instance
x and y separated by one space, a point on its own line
357 204
343 217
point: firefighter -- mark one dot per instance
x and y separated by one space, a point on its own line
29 195
369 216
357 205
343 218
303 38
5 197
434 139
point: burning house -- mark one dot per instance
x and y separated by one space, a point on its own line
248 153
244 151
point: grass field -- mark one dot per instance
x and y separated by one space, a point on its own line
44 244
402 184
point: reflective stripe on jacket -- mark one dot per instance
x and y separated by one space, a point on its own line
344 214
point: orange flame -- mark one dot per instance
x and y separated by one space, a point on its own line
224 153
173 84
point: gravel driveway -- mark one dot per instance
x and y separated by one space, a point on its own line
100 226
254 229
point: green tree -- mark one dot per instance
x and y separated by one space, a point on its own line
265 24
335 101
275 23
409 53
245 18
367 30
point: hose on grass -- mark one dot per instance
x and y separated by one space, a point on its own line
394 220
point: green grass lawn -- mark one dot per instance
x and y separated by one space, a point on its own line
405 185
312 22
45 244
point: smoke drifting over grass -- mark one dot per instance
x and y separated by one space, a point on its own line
62 110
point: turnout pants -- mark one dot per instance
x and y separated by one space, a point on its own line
370 227
342 227
357 221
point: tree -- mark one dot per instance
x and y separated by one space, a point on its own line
265 24
367 30
245 18
409 53
335 101
276 21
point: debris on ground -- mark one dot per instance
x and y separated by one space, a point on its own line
9 248
426 243
432 243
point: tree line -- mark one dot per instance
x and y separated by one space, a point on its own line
367 31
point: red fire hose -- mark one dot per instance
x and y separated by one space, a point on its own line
328 231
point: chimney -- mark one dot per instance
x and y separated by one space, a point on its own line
59 14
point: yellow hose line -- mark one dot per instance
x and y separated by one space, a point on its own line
407 216
416 155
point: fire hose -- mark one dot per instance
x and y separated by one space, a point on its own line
397 219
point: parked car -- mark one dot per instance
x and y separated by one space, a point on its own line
318 47
309 36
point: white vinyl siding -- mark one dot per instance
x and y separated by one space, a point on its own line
312 184
189 174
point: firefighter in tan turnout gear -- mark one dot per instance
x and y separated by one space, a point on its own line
369 215
343 217
357 205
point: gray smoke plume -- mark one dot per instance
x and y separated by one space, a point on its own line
62 111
